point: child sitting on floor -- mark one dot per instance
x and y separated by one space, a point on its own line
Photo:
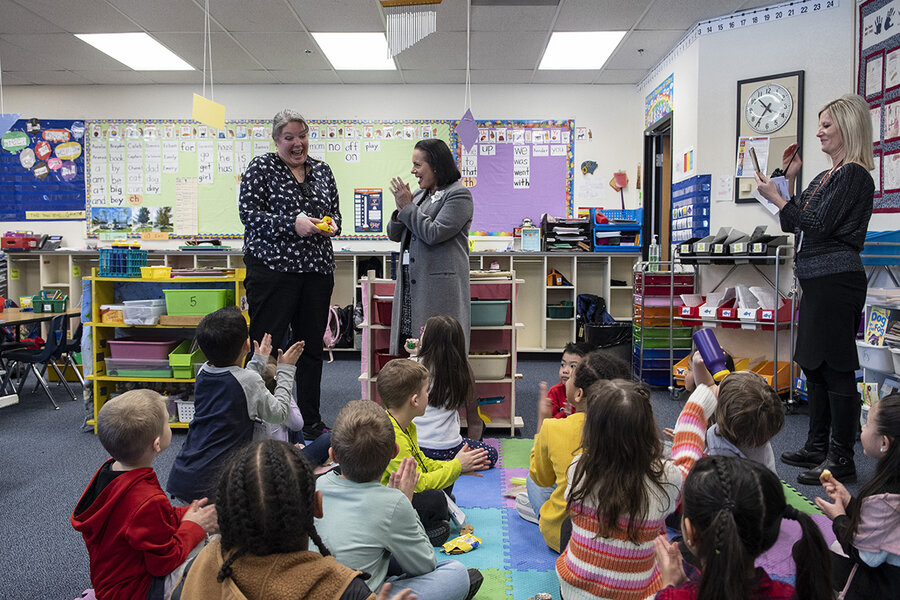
552 403
621 489
137 541
442 350
733 509
267 501
868 526
555 445
362 441
403 388
227 399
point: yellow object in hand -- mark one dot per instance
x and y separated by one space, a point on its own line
325 224
826 475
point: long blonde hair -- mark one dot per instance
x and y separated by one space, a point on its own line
851 114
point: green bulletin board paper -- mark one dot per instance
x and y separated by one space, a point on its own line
342 144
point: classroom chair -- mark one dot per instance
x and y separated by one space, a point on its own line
43 357
66 349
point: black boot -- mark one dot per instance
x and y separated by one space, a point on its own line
813 451
839 460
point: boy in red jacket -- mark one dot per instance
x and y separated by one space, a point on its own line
137 541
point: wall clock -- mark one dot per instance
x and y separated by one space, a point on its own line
771 107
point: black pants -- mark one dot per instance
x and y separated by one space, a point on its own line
431 505
299 301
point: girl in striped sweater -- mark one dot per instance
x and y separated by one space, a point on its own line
621 489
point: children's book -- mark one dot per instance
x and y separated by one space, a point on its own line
877 326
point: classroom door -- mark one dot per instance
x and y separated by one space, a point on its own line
658 186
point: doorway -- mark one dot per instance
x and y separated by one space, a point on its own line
657 188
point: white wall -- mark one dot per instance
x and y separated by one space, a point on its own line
613 113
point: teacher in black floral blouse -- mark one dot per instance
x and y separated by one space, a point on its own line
285 197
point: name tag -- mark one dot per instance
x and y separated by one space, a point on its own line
405 259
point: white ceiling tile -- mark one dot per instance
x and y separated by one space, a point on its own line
620 76
428 76
16 58
15 79
655 45
506 18
505 50
176 77
281 51
164 15
308 77
440 50
108 77
57 78
602 15
265 16
373 77
82 16
339 15
18 19
245 77
64 50
225 51
502 76
565 76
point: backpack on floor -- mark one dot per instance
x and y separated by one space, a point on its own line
332 330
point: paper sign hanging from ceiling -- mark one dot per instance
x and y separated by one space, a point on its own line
208 112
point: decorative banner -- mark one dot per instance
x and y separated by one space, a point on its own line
878 81
42 170
659 102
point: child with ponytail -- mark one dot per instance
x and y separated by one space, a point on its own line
267 501
867 527
442 350
732 512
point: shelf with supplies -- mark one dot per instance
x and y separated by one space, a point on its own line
153 348
493 343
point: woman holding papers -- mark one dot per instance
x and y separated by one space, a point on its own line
829 219
289 208
432 226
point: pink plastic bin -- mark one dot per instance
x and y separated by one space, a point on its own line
131 348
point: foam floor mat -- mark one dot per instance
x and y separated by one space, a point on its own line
515 561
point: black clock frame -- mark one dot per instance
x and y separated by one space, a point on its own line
798 111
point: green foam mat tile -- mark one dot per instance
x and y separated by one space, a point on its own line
528 583
516 453
798 500
497 585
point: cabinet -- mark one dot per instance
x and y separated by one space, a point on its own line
488 339
103 292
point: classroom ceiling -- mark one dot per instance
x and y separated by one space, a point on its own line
269 41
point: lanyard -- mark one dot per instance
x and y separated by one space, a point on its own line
414 447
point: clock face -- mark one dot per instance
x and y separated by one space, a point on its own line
768 108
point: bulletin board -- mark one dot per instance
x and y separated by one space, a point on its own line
878 81
183 178
42 171
519 169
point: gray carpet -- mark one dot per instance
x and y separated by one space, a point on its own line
46 461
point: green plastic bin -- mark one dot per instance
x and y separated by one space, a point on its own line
200 302
182 360
45 303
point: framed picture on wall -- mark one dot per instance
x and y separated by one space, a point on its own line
769 107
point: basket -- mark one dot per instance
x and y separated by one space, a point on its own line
185 410
156 272
131 348
122 262
137 367
182 360
46 303
383 307
196 302
383 357
143 312
564 310
112 313
487 313
489 366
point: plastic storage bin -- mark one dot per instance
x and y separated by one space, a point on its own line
563 310
489 366
144 312
131 348
195 302
383 357
138 367
185 410
122 262
47 302
877 358
112 313
182 360
383 307
157 272
486 313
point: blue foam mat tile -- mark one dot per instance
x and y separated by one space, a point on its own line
527 549
488 524
528 583
480 492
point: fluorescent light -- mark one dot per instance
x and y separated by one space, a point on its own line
356 51
579 50
136 50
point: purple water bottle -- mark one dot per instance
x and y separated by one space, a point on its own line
711 353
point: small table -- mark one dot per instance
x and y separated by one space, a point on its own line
12 317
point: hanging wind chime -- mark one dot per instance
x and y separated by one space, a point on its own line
408 21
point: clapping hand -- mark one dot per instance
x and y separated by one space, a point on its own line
291 355
401 191
405 477
263 348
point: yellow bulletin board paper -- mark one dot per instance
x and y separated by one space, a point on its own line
54 214
209 161
154 235
208 112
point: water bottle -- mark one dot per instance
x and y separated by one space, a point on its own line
711 353
654 255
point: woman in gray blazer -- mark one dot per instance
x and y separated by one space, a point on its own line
432 226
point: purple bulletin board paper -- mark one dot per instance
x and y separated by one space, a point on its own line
499 206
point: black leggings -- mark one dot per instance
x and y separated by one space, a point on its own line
838 382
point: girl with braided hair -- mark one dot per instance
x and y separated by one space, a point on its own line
732 512
267 501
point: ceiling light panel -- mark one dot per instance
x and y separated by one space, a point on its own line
579 50
356 51
138 51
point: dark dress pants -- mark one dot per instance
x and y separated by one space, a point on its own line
299 301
